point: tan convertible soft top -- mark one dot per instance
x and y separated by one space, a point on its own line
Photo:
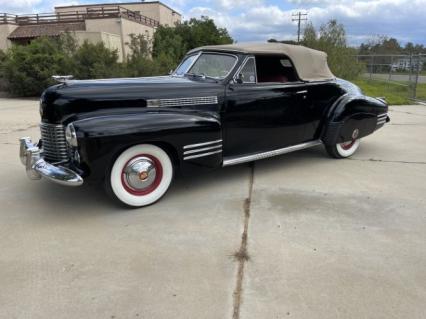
311 65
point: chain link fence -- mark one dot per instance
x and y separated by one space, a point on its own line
408 71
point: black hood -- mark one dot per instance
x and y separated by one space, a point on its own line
62 101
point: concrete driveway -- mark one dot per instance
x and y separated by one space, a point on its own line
314 237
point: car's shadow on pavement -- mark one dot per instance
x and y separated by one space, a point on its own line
92 197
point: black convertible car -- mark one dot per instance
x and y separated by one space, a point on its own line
223 105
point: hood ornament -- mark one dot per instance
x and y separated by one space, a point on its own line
62 78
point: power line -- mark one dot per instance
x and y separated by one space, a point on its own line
299 17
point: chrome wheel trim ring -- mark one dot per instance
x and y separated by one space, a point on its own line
140 173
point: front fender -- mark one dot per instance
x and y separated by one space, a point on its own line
102 139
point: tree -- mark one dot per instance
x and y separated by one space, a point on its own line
332 40
332 34
139 46
381 45
309 35
170 40
140 61
174 42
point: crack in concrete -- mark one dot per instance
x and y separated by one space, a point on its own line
242 255
385 161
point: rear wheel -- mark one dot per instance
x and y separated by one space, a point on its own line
140 175
343 150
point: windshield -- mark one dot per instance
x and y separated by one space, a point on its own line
185 65
207 64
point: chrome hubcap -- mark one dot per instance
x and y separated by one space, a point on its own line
347 145
140 173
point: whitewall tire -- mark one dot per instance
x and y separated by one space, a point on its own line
140 176
343 150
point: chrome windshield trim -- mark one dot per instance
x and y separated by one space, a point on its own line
210 52
201 144
254 157
197 55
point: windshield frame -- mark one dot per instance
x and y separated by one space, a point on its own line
198 55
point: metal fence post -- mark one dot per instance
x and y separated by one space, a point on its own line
417 78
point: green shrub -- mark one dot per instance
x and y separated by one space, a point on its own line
27 70
94 61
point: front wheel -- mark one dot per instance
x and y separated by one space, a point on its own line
343 150
140 175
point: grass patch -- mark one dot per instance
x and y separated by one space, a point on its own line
421 91
395 93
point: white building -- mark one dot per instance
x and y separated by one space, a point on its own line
406 64
110 23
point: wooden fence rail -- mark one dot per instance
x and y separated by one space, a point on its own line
77 16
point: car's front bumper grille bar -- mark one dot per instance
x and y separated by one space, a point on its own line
37 167
54 146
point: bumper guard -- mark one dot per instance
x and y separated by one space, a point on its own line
37 167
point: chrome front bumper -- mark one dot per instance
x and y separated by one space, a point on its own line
37 167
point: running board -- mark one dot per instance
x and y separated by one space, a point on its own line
255 157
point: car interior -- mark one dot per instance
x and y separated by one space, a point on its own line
275 69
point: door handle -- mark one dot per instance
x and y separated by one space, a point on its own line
301 92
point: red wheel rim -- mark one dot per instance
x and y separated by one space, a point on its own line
155 183
348 145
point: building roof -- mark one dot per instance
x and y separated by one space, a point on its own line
116 4
48 29
311 65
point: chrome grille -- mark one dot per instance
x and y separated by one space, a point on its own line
54 144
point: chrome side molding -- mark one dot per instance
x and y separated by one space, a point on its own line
203 149
201 155
202 144
186 101
255 157
382 119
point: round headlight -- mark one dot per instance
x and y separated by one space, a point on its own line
70 135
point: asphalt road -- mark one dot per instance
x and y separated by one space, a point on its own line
325 238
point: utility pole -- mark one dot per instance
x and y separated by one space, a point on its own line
299 17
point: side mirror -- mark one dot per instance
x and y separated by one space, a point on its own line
240 78
171 72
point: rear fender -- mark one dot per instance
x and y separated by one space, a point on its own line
352 117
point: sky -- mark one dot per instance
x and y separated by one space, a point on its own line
259 20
